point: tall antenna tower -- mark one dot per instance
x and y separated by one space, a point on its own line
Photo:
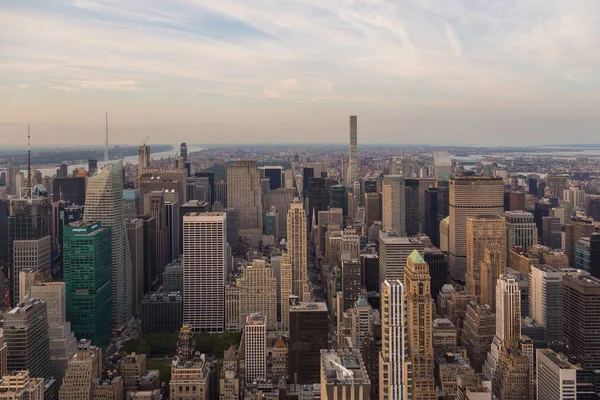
106 142
28 156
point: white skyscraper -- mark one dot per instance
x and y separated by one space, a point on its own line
255 343
508 320
393 349
104 203
204 269
353 156
297 250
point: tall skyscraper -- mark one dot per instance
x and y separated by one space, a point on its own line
205 253
281 200
255 341
104 203
135 238
297 250
30 255
154 204
578 228
308 335
87 272
470 196
143 158
69 189
393 204
258 293
393 252
183 150
244 194
419 318
353 151
26 335
286 290
546 302
393 353
482 231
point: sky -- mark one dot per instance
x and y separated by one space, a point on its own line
442 72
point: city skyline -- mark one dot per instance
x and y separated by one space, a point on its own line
415 72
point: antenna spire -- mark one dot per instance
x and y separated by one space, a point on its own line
28 156
106 142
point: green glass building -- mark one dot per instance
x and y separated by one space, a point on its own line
338 198
87 262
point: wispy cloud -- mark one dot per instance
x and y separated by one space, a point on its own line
413 58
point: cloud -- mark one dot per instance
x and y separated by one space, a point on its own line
423 57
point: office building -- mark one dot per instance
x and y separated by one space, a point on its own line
286 290
438 269
431 224
143 158
244 194
372 208
546 302
104 203
108 386
419 318
338 198
255 347
169 181
151 277
135 237
556 377
448 367
478 331
173 227
33 256
131 203
469 197
513 377
257 288
353 151
556 185
191 206
63 344
582 254
516 201
344 375
87 272
190 371
275 175
318 196
20 385
92 166
581 313
492 267
162 312
69 189
393 204
132 367
154 205
26 336
393 348
445 338
578 228
297 250
205 254
393 252
411 206
229 382
594 263
520 229
199 188
551 228
281 200
351 282
308 335
482 231
173 277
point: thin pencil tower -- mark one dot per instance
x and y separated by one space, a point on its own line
28 156
106 142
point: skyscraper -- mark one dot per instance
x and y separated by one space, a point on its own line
83 368
520 229
419 305
286 290
353 151
556 377
183 150
26 335
482 231
470 196
255 342
393 204
297 250
143 158
578 228
393 349
393 252
205 253
546 302
258 293
104 203
87 273
244 194
135 238
30 255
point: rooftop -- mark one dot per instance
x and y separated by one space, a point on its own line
557 358
416 258
309 306
343 367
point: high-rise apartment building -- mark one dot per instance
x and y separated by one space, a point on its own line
87 272
393 204
556 377
26 336
393 348
393 252
205 254
297 250
104 203
244 194
520 229
255 342
578 228
482 231
353 151
308 335
63 344
419 327
470 196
